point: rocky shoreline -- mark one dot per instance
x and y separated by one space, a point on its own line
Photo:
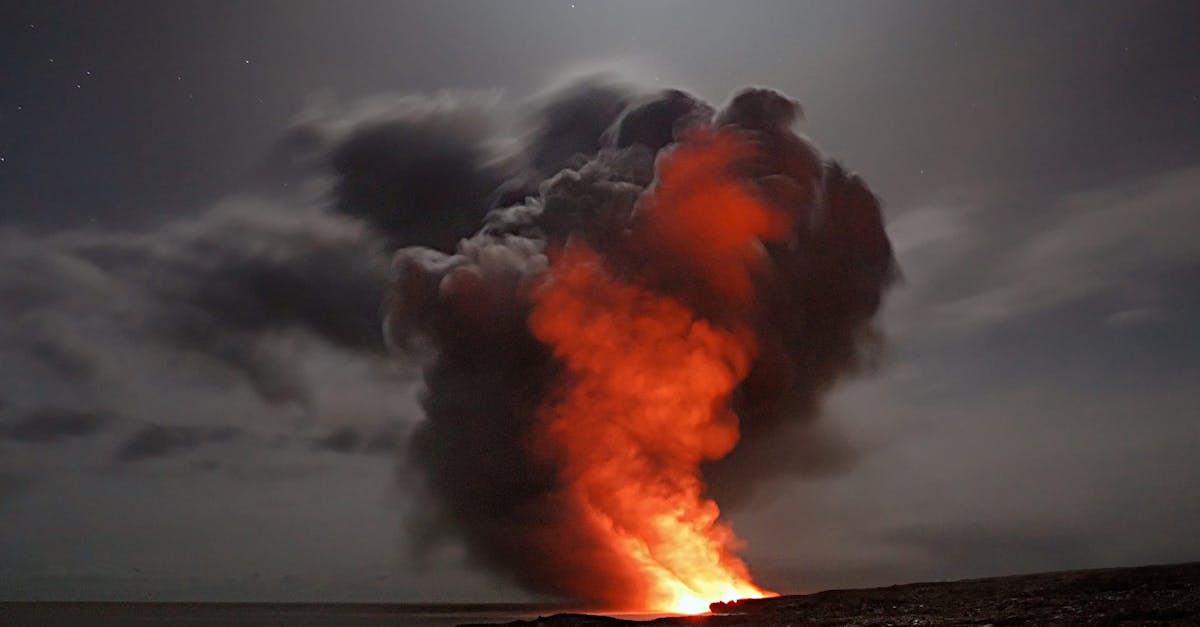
1148 595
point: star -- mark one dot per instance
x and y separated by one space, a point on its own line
246 61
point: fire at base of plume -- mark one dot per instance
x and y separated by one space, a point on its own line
729 216
1148 595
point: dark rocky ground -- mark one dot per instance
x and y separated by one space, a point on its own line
1150 595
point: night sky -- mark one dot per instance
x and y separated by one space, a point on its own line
195 400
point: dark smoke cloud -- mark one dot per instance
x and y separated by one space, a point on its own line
567 124
419 170
227 288
340 440
583 181
655 121
561 130
250 292
160 441
352 440
219 287
53 424
224 287
426 170
61 356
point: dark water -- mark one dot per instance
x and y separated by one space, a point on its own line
261 614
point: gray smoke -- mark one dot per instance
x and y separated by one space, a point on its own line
472 203
581 173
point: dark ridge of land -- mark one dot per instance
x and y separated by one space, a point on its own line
1147 595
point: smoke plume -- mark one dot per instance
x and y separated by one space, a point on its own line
643 327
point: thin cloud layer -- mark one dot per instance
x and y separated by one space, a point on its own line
1119 246
157 441
47 425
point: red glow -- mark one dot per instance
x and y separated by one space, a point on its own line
645 394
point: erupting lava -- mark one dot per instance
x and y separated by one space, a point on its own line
646 323
644 396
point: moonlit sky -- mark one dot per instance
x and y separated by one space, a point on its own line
1039 165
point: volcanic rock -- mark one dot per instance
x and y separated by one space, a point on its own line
1149 595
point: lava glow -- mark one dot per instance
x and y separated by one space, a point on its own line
644 397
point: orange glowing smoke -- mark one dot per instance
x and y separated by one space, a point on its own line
645 393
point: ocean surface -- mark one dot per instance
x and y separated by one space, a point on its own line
264 614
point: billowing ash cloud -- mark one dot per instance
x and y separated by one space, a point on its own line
239 288
582 177
421 173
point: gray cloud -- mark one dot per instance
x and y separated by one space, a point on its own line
568 122
229 286
418 169
266 307
1120 243
10 486
989 547
61 355
1011 475
1104 241
350 440
160 441
222 287
340 440
53 424
261 302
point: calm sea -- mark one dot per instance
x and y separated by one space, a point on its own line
262 614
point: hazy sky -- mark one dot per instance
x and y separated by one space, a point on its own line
1039 165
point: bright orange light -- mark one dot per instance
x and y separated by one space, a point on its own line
644 398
